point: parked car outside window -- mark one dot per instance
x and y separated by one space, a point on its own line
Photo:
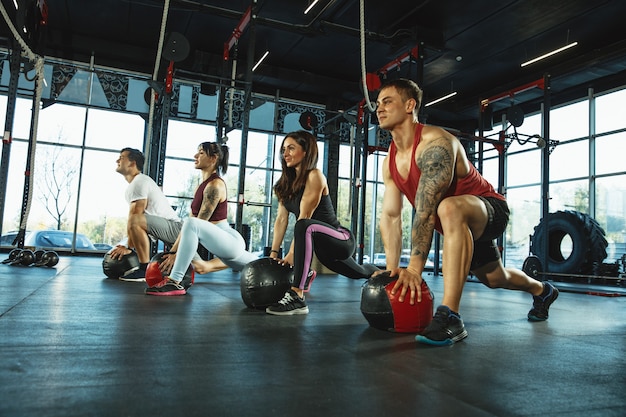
50 240
103 246
380 260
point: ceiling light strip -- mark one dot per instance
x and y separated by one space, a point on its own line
308 9
261 60
556 51
440 99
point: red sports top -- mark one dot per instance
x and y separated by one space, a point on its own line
472 184
220 212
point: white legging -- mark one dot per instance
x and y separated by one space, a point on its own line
218 238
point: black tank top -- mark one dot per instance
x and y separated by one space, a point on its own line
323 213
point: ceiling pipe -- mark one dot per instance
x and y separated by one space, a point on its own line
287 26
235 14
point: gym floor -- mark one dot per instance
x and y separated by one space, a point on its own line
77 344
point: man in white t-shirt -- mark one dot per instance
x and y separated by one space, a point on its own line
150 213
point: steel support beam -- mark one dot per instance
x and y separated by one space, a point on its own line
7 138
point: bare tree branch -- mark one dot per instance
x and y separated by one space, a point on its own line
55 181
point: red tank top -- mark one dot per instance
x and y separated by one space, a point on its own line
472 184
220 212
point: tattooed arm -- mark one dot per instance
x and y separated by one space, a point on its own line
436 163
214 193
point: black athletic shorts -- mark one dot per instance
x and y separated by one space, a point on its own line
485 248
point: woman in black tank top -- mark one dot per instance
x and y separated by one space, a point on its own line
302 190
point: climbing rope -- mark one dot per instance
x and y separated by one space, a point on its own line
370 106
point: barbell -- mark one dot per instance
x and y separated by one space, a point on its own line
533 267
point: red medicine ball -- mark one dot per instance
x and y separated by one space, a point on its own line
155 278
383 310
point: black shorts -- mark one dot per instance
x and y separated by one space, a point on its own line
485 248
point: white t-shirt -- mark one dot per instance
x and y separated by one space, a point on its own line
143 187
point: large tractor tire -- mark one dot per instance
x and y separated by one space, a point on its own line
588 242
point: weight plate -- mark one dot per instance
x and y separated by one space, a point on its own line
176 47
515 115
308 120
532 266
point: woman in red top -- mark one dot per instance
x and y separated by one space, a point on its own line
207 225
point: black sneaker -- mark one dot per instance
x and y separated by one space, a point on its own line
187 281
137 275
290 304
167 287
445 329
309 280
541 303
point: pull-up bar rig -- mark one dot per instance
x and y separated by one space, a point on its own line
502 144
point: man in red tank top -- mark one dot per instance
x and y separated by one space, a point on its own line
429 166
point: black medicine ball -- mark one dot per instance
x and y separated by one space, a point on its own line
264 282
115 268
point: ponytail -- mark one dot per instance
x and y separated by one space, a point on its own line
223 161
221 150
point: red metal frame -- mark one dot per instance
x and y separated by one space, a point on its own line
241 26
399 61
43 9
539 83
169 78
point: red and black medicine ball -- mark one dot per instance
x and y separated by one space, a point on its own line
264 282
383 310
154 276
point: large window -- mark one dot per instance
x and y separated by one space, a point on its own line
76 188
610 170
610 112
611 200
574 172
608 153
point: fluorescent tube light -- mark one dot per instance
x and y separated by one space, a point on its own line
308 9
440 99
556 51
260 60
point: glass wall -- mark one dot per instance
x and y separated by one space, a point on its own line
610 170
583 162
